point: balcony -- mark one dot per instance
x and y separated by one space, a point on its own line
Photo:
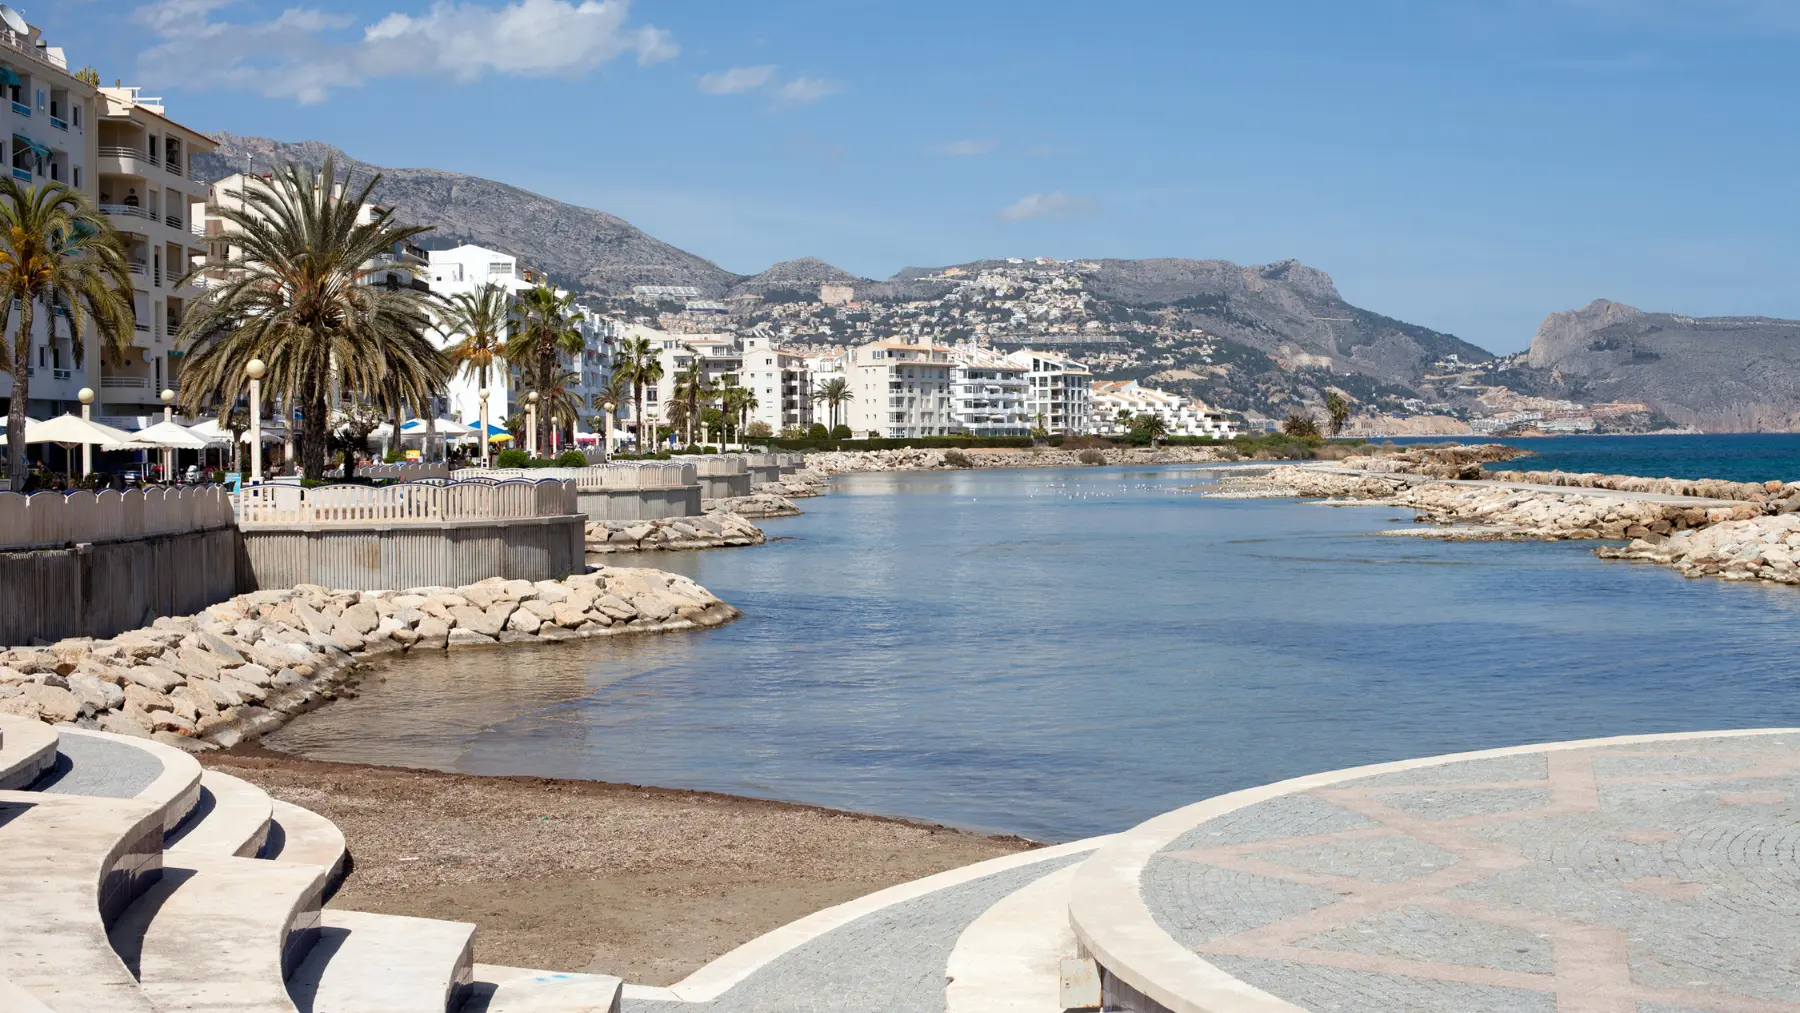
21 108
127 211
124 383
138 268
175 170
61 374
58 123
24 174
174 221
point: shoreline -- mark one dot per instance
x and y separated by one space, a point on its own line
646 882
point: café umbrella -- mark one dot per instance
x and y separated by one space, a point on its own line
71 431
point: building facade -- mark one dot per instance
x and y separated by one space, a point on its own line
902 390
781 382
1117 399
988 393
1058 396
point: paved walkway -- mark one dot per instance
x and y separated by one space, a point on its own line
892 959
1650 877
89 765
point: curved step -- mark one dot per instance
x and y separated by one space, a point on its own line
301 835
69 865
27 749
522 990
14 999
118 766
221 933
370 963
231 818
1009 960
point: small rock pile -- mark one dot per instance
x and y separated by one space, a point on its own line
839 462
1454 461
241 667
799 485
1759 548
1524 513
759 504
1290 482
714 530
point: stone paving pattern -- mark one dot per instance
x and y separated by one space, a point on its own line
891 960
98 767
1653 878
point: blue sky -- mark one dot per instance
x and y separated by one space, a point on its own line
1469 166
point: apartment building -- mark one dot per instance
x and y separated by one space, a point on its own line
987 393
1058 393
902 390
1113 399
781 383
467 268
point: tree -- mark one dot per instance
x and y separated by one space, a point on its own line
640 363
1337 411
1148 427
480 317
834 393
692 391
297 297
559 402
58 257
543 331
617 389
1299 424
759 428
738 403
350 434
1123 419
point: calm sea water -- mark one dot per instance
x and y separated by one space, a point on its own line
1060 654
1746 457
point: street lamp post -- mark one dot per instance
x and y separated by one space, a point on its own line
255 370
86 396
168 454
531 433
483 434
606 412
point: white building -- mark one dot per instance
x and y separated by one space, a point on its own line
781 383
1180 417
988 393
902 390
1057 395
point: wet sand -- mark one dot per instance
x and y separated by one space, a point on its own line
646 883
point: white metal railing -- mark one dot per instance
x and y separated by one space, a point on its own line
127 211
407 472
124 383
405 503
595 477
121 151
49 519
138 268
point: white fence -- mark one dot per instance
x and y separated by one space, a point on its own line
594 478
406 503
408 472
52 519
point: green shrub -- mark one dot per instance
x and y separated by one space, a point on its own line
842 432
512 457
571 459
818 432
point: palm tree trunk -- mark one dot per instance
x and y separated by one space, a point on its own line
638 414
312 445
21 392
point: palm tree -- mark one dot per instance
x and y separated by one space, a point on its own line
296 297
561 401
835 392
641 365
1151 426
58 257
617 388
693 391
1337 412
738 402
1299 424
480 317
543 331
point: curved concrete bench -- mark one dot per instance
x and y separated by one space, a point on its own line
232 818
27 749
301 835
221 933
69 864
522 990
370 963
176 789
1009 959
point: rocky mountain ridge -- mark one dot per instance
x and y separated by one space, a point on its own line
1718 374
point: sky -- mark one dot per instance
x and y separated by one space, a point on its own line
1467 165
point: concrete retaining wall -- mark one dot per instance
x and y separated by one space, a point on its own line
724 486
393 556
640 504
105 588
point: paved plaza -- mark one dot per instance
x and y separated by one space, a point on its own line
1649 877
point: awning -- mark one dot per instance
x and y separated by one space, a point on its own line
37 149
10 78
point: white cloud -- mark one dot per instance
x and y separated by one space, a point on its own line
966 148
307 54
737 80
1054 204
807 90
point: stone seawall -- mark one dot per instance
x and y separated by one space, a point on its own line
708 531
103 588
377 555
241 667
1758 548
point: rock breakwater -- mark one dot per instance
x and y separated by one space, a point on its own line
1758 548
757 505
240 668
1785 497
714 530
840 462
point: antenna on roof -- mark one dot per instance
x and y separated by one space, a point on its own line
14 20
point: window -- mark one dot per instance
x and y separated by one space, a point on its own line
650 395
77 179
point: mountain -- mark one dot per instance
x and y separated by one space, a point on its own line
1720 374
803 275
581 248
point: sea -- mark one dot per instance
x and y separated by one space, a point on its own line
1737 457
1063 653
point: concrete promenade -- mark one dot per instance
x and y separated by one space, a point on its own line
1654 874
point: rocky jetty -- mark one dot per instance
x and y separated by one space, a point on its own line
840 462
242 667
801 484
1494 511
714 530
757 505
1758 548
1784 496
1454 461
